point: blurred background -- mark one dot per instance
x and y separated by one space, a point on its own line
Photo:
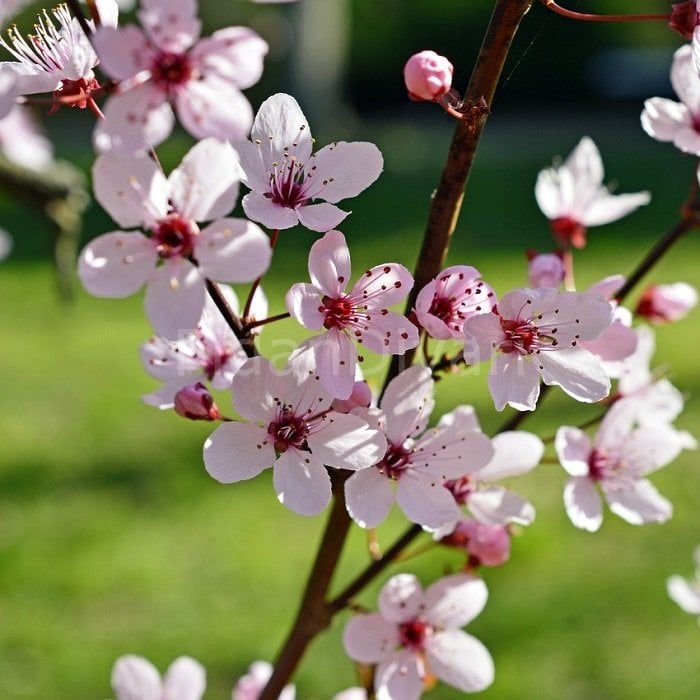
114 540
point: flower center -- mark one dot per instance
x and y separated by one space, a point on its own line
175 236
288 430
74 93
412 635
568 232
287 184
395 461
460 488
598 466
170 70
337 311
521 336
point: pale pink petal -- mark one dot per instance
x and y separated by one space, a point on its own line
269 214
117 264
133 190
617 342
184 680
574 450
498 506
684 78
453 601
301 482
684 594
135 678
234 53
513 380
383 285
607 286
424 500
329 263
547 194
399 677
387 333
516 452
336 360
213 107
407 403
175 298
462 419
611 207
303 302
233 250
345 441
343 170
483 335
583 503
687 139
320 217
639 504
577 371
237 451
123 52
401 598
368 497
254 388
164 398
460 660
205 185
586 168
171 24
663 118
370 638
450 454
134 121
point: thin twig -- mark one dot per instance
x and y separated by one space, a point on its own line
588 17
231 319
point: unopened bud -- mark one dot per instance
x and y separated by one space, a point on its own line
664 303
196 403
684 18
487 545
546 270
428 76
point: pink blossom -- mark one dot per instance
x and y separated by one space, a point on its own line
22 142
176 256
665 303
428 76
293 429
617 462
686 592
253 683
196 403
546 270
456 294
360 315
416 461
677 122
486 545
416 635
285 177
572 196
135 678
166 65
537 333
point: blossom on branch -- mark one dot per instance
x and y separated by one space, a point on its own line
285 177
537 333
416 637
292 429
176 256
166 65
428 76
572 196
360 315
665 303
136 678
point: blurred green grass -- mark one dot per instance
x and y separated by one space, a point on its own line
113 539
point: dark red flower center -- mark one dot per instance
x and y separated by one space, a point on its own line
338 311
568 232
395 461
170 70
288 431
598 466
175 236
521 336
460 488
412 635
286 185
74 93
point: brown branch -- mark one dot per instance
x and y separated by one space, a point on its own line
231 319
587 17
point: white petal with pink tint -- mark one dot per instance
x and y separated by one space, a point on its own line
336 360
425 500
390 282
514 381
583 503
117 264
684 594
171 24
135 678
399 677
185 679
407 403
301 482
303 302
516 452
370 638
639 504
237 451
498 506
610 207
574 449
268 213
461 660
329 263
123 53
578 372
320 217
369 497
346 442
254 389
454 601
401 598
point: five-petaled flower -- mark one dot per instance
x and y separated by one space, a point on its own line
416 637
177 256
168 64
293 429
572 196
360 315
537 333
285 177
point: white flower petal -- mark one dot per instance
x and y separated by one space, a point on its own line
583 503
639 504
460 660
345 441
237 451
516 453
453 601
184 680
368 497
401 598
370 639
135 678
301 482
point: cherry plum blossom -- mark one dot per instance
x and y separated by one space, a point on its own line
285 177
537 333
486 545
176 256
360 315
572 196
416 636
292 428
445 303
417 461
251 685
135 678
166 66
665 303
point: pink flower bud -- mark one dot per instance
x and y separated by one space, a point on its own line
428 76
684 18
546 270
664 303
196 403
487 545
